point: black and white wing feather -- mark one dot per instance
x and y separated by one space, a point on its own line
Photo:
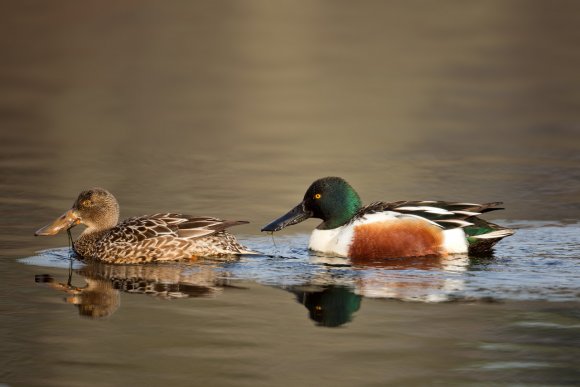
446 215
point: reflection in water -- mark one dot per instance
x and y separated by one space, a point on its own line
330 288
329 306
314 279
425 279
100 297
457 262
410 286
331 300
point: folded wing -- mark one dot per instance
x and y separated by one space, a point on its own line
169 224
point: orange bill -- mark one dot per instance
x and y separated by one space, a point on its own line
63 222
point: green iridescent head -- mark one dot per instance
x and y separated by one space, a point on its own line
331 199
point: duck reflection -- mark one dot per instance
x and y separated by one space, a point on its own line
328 306
425 279
100 297
456 262
333 294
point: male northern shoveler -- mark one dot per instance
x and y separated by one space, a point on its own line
386 230
149 238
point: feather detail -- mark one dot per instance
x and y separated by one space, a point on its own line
495 234
467 213
149 238
161 237
446 215
428 209
458 222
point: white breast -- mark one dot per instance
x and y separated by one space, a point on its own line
335 241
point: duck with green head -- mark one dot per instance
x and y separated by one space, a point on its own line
149 238
388 230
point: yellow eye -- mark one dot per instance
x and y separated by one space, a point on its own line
86 203
317 196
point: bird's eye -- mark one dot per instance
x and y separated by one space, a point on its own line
317 196
86 203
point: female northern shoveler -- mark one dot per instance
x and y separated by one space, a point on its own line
149 238
385 230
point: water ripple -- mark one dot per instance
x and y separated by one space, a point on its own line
538 263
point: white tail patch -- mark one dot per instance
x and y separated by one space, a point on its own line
454 241
495 234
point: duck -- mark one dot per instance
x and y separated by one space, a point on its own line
162 237
399 229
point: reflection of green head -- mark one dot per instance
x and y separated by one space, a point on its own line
330 307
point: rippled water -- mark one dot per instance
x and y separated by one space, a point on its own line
516 271
231 109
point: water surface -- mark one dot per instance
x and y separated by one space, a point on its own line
232 109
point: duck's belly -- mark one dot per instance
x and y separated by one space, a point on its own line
388 237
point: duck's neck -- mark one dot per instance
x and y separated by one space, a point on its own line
341 211
85 245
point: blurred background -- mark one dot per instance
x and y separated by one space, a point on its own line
231 109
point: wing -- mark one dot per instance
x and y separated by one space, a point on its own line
202 226
140 228
446 215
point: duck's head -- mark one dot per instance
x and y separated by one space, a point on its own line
331 199
96 208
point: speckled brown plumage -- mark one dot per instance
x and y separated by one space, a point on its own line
160 237
151 238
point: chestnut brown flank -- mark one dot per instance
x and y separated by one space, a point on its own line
401 238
